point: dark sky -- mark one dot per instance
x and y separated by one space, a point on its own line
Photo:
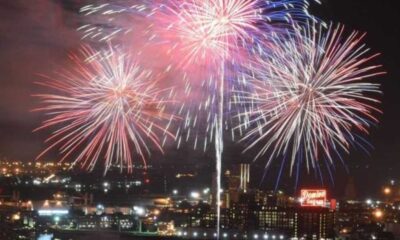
36 35
380 20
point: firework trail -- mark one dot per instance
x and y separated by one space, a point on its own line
309 98
206 40
104 108
207 33
215 35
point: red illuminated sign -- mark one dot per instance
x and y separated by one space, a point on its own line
313 198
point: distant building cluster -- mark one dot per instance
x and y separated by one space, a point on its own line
48 198
18 168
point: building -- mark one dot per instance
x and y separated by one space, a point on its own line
238 180
315 223
275 214
278 219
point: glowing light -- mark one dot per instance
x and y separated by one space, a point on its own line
378 213
51 212
16 217
139 210
313 198
195 195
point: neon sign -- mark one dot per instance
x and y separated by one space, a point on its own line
313 198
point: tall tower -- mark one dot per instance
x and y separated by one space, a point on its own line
244 177
238 181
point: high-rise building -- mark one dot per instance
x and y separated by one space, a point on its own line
238 180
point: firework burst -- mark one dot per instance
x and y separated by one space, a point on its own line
213 36
103 109
309 97
207 30
207 40
192 31
211 31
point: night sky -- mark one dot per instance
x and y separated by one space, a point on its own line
37 35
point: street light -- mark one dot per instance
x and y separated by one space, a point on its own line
56 220
387 190
195 195
378 214
206 191
16 217
140 211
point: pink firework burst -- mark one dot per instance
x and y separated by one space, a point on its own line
207 30
104 108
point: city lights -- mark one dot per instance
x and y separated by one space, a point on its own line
16 217
51 212
195 195
378 213
158 212
140 211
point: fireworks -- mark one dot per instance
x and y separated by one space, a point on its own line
192 31
206 40
308 97
105 107
207 30
207 35
209 38
302 94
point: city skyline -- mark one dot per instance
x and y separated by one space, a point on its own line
36 39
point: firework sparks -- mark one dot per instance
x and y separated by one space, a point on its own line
192 31
201 42
214 35
309 96
207 38
104 108
207 30
211 31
